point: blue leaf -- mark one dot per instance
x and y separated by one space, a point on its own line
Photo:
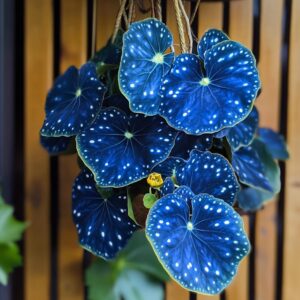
209 173
210 38
274 142
56 145
73 102
121 149
143 64
168 187
243 133
103 225
198 102
169 167
185 143
200 249
247 164
251 199
222 133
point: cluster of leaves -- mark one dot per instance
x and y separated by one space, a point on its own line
174 148
10 232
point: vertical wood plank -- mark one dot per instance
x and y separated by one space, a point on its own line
268 105
106 15
291 274
240 29
174 290
210 15
73 52
38 79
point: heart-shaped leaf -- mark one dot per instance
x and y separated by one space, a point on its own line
210 173
121 149
144 62
205 101
102 224
73 102
200 245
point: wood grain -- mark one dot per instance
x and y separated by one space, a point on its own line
291 286
240 29
73 52
268 104
210 15
106 14
38 79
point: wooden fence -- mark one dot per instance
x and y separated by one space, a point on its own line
50 35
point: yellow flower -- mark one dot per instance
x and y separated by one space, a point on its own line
155 180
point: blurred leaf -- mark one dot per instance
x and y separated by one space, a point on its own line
135 274
10 228
274 142
9 259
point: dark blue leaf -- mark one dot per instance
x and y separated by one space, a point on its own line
243 133
56 145
274 142
169 167
102 224
73 102
211 38
201 248
168 187
198 102
247 164
121 149
185 143
209 173
143 64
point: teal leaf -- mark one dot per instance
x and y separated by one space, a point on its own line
136 274
274 142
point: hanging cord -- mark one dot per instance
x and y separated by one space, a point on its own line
131 12
195 12
178 12
188 27
158 11
152 9
119 19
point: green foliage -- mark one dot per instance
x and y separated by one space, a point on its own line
135 274
10 232
149 199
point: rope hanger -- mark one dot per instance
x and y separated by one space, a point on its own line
127 13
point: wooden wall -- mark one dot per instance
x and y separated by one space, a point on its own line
59 33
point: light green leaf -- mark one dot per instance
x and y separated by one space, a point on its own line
10 229
9 259
149 199
135 274
129 208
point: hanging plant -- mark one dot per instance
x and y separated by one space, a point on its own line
173 150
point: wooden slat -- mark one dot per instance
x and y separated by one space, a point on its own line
73 52
106 14
268 105
175 291
240 29
38 79
210 15
291 286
